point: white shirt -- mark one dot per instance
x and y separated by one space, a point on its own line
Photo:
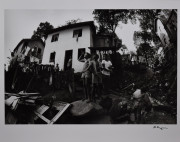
107 64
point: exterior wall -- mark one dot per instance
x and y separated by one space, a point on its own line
18 51
39 45
67 42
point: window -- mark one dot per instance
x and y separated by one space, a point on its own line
52 57
81 52
34 51
77 33
55 38
39 50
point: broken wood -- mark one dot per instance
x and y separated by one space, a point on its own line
42 117
56 117
41 110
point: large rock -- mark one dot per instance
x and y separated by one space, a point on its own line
82 108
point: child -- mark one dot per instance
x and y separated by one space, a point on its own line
86 76
96 78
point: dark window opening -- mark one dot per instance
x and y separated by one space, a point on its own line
34 51
68 60
55 37
24 47
81 52
77 33
39 50
52 57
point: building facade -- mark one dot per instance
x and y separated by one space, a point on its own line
29 50
68 43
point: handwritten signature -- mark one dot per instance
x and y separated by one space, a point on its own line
161 128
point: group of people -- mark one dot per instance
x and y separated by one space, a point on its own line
95 75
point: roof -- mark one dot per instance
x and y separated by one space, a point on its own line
28 40
88 23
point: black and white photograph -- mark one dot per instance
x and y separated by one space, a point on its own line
89 71
90 66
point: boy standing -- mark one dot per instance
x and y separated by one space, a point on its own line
86 75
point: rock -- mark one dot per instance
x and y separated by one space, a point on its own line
82 108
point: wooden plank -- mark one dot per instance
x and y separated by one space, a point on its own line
41 110
24 93
42 117
11 94
56 117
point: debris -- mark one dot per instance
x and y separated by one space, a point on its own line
40 113
12 102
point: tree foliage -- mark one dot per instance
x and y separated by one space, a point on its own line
109 19
123 48
41 30
73 21
145 50
147 17
143 36
144 47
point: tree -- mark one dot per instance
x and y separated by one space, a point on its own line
143 36
147 19
41 30
143 41
108 20
145 50
123 48
74 21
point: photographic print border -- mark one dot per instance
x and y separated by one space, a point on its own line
87 133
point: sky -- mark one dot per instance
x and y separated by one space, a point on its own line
20 24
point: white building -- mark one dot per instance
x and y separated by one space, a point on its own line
69 41
31 49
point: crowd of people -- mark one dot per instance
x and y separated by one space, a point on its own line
95 75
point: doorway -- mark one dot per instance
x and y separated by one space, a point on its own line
68 60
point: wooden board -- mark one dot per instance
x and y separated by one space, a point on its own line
56 117
42 109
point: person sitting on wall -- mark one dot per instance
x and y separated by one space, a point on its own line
86 75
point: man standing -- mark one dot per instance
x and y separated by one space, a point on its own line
96 78
106 71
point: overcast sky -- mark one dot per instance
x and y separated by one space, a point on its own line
20 24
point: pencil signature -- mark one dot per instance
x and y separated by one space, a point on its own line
161 128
